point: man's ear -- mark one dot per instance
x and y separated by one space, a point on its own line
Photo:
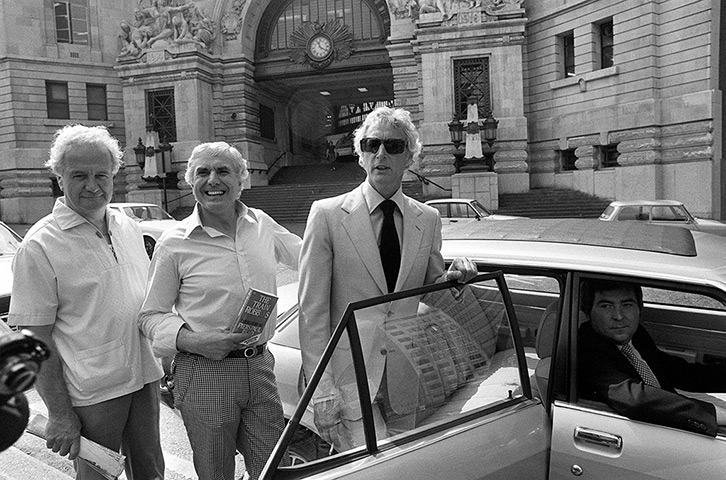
60 181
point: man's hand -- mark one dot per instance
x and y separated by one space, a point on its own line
213 344
327 418
63 434
461 269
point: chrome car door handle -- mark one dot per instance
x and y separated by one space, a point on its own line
599 438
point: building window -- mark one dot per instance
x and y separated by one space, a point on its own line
606 44
267 122
568 54
609 156
567 159
160 108
71 21
471 77
96 101
56 97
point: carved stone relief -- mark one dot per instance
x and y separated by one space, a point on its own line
450 8
165 26
232 21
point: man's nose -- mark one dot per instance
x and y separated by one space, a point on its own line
382 151
617 313
213 177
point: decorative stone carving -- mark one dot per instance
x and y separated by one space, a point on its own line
499 7
232 20
162 25
450 8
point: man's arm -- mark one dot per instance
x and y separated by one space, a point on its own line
63 433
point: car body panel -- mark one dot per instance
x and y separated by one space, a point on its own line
660 212
665 457
460 210
9 243
151 227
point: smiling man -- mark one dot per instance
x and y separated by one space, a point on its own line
78 285
619 364
200 273
368 242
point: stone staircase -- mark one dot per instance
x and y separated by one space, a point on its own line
293 190
552 203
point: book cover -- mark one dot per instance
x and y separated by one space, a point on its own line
254 314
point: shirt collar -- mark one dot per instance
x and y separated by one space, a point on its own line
195 220
373 198
68 218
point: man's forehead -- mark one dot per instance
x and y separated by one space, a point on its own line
623 293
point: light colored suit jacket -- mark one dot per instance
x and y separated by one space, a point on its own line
340 263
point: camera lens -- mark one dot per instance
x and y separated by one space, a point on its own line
18 375
20 357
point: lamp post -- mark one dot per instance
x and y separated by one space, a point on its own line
164 148
456 131
489 129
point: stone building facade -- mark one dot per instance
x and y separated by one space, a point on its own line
617 98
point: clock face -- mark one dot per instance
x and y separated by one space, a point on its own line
320 47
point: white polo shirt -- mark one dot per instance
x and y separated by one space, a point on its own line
65 274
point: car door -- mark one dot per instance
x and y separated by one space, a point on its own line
432 383
591 440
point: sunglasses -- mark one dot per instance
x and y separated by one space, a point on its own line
393 146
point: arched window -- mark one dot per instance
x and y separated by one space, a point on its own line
367 20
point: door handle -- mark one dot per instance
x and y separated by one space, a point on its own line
603 439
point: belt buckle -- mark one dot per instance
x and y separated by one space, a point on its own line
249 352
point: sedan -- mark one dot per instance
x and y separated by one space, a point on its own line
152 219
460 210
660 212
488 370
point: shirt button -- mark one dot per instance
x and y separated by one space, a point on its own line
384 351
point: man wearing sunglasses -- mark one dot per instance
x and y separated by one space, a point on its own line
351 252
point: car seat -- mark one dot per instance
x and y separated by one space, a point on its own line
544 345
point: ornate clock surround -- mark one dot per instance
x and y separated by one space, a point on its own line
320 44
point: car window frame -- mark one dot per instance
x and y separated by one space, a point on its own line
348 324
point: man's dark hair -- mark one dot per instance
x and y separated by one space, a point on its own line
590 287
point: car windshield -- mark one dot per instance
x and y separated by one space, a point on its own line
147 212
481 208
8 241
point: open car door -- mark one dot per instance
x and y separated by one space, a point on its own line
432 382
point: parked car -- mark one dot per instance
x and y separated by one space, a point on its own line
461 210
9 242
661 212
491 367
152 219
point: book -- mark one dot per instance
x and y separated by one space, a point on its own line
254 314
105 461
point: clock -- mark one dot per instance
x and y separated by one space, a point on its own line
320 47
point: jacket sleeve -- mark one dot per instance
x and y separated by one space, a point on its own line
605 375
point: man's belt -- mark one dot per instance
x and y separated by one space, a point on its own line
248 352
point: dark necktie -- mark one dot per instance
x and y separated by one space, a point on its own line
640 366
390 248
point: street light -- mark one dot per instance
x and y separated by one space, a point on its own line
456 130
140 153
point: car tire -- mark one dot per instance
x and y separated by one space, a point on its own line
149 244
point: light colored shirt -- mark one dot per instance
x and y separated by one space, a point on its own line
373 201
67 275
199 276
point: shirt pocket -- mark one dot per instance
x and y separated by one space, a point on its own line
103 366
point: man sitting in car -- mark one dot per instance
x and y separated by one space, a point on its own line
619 364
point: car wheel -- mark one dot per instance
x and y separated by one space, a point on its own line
149 244
306 447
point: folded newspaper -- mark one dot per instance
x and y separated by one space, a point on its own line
105 461
253 315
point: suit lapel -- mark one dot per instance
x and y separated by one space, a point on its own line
357 224
413 229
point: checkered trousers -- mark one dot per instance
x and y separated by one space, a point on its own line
228 405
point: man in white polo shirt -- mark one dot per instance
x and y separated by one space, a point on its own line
79 279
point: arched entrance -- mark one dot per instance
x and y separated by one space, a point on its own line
320 67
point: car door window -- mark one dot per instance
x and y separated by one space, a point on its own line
459 210
633 213
602 432
666 214
436 358
442 208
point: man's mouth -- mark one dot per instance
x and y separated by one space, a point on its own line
214 193
381 167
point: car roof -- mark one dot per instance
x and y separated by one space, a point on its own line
632 248
449 200
622 203
131 204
